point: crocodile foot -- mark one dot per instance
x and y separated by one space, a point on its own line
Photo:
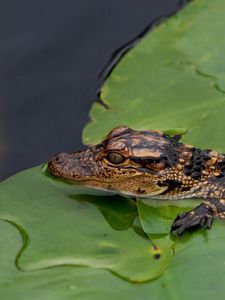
201 216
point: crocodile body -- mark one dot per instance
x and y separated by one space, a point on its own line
151 164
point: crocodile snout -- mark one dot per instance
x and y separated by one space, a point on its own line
75 166
58 163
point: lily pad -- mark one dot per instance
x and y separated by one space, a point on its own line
62 241
64 224
158 215
191 274
172 80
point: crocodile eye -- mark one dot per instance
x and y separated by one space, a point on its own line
115 158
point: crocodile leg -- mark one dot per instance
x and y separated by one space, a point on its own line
201 216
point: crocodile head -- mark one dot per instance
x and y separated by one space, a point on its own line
127 161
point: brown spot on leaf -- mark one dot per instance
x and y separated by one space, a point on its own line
157 256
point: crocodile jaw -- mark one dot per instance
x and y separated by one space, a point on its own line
81 167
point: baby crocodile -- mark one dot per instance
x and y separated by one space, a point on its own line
151 164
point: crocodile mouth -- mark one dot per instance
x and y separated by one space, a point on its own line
134 183
136 186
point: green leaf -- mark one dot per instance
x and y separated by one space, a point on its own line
192 274
64 224
158 215
62 241
172 80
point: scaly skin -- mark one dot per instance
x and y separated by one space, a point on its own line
151 164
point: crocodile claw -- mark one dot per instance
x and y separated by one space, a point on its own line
201 216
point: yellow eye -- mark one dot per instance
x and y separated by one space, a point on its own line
115 158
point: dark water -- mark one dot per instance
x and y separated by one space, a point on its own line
51 55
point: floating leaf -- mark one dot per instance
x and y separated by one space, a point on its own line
191 274
63 224
158 215
172 80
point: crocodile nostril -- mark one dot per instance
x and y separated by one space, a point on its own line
59 159
56 162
